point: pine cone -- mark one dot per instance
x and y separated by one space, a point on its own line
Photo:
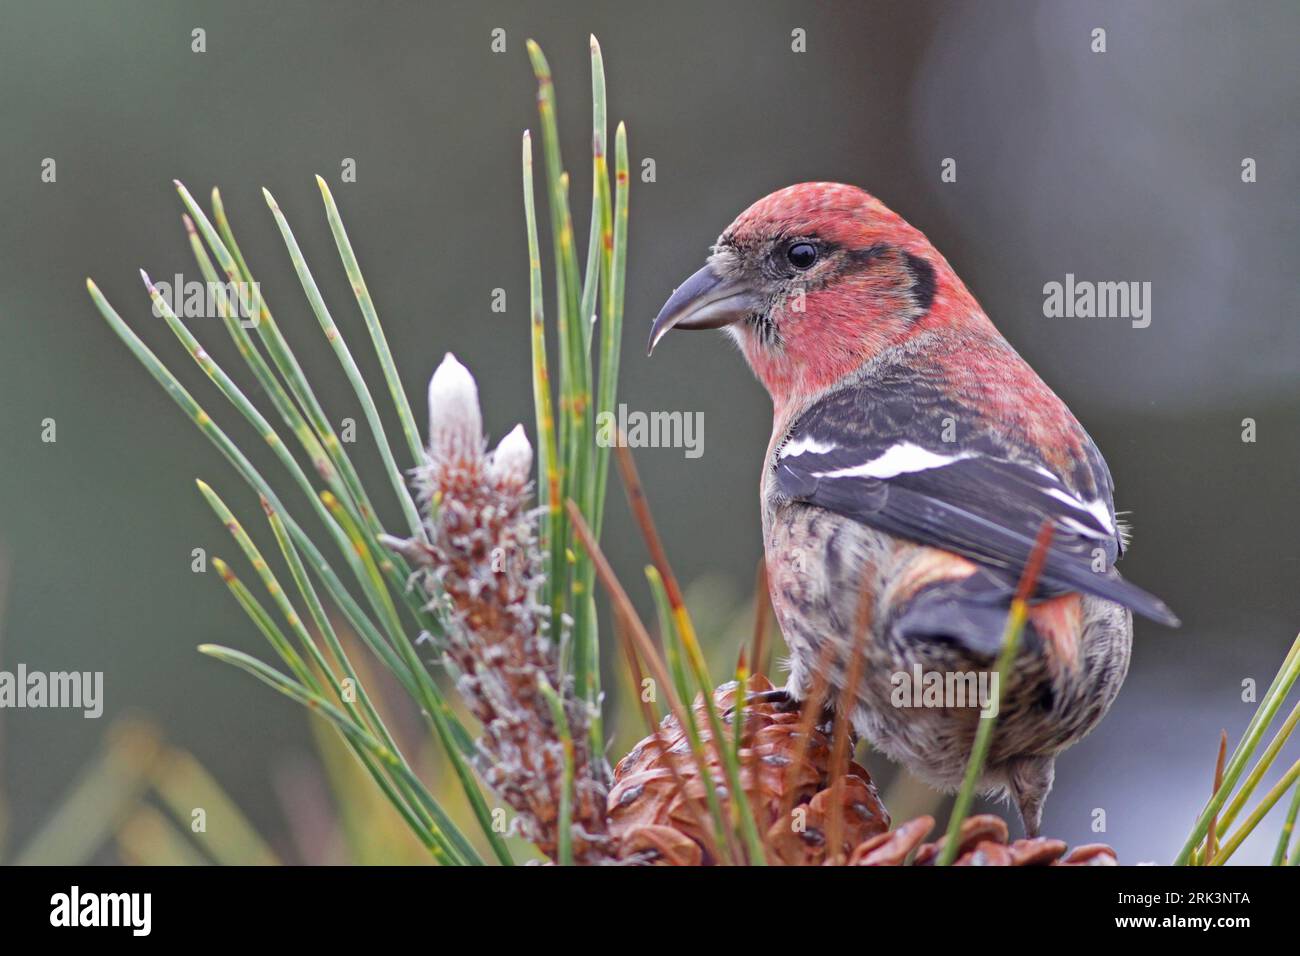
658 815
983 842
657 821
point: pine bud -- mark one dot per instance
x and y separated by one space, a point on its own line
482 568
512 462
455 421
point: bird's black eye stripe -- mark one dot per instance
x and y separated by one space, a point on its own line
802 254
923 281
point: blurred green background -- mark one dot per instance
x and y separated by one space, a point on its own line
1117 166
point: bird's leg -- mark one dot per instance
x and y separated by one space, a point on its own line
1030 781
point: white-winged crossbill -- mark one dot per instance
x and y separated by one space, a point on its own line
914 457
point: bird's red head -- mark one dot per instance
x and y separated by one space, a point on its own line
815 279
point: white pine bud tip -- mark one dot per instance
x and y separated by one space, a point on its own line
513 459
455 422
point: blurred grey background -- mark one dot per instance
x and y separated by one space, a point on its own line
1123 165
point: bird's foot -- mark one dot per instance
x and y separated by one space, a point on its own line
785 702
781 699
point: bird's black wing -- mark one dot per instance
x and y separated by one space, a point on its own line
879 456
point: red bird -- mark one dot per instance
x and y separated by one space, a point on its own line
914 457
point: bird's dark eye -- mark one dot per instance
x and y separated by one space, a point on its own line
802 255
